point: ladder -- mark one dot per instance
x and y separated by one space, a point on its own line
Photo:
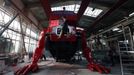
126 54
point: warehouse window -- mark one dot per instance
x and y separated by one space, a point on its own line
4 17
31 41
93 12
12 37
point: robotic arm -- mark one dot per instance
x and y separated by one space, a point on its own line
36 56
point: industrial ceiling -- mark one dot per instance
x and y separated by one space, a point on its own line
111 12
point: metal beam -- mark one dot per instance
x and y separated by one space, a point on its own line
8 24
23 47
116 6
42 21
82 8
47 8
123 22
108 4
61 3
19 6
33 4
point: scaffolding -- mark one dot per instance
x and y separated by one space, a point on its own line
124 38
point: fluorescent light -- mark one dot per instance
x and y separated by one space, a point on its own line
80 52
131 14
79 28
120 31
116 29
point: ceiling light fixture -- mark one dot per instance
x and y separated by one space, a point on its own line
115 29
79 28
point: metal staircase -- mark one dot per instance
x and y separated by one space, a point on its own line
126 53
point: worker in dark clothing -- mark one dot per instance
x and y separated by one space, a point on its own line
65 29
43 57
111 56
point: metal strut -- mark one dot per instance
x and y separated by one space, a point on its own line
36 56
7 24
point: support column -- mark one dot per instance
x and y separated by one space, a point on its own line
22 42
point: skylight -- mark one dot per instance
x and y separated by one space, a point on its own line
59 8
93 12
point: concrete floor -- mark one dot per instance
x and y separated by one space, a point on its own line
51 67
57 68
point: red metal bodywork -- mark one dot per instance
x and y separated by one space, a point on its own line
41 45
73 18
71 38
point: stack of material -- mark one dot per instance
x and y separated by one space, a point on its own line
2 66
3 63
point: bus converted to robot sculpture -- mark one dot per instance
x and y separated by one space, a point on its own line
61 40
